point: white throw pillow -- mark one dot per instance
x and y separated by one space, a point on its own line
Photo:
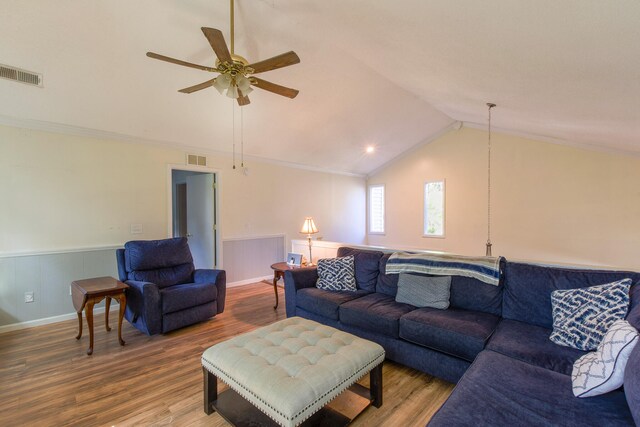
602 371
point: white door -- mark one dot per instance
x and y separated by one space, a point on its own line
201 219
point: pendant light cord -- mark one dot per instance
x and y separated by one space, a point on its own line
233 115
489 182
488 246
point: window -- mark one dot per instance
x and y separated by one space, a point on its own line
376 209
434 209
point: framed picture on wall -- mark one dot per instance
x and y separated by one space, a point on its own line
294 260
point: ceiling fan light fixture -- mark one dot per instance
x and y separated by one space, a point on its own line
222 82
232 92
243 84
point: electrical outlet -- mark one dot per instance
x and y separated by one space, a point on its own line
28 296
69 289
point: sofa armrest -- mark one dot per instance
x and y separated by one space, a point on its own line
295 280
218 278
143 300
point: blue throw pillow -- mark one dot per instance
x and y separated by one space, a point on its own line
336 274
581 317
424 291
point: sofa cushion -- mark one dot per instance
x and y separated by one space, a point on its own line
336 274
531 344
528 395
602 370
366 266
387 283
155 254
633 316
424 291
375 312
632 383
325 303
460 333
472 294
528 287
188 295
164 277
581 317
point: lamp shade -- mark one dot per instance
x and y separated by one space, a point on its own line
309 227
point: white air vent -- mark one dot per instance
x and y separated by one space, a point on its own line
19 75
194 159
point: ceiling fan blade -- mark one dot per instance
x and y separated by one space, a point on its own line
198 87
283 60
216 40
179 62
277 89
243 99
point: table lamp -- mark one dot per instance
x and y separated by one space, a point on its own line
309 228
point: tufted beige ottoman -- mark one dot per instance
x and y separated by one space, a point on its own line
289 371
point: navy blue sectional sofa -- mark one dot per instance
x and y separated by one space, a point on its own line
492 341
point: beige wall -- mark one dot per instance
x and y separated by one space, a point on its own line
63 192
551 203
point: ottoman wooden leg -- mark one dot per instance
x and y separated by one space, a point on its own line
210 391
375 385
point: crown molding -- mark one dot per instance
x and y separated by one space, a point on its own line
65 129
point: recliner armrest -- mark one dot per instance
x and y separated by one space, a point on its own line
218 278
143 299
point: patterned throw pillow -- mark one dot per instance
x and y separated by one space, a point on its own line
424 291
602 371
581 317
336 274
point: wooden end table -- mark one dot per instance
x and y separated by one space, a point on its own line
278 272
86 293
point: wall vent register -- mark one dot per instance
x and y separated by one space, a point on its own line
19 75
194 159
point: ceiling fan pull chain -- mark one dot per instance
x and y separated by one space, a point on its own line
241 137
233 115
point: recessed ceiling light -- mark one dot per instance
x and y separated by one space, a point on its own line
370 149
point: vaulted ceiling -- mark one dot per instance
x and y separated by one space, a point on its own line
373 72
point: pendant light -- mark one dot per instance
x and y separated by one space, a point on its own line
488 248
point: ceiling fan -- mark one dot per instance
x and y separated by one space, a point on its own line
236 73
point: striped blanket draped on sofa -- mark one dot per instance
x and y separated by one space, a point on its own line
485 269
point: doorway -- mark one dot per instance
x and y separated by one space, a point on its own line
194 213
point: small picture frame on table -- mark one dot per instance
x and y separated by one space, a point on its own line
294 260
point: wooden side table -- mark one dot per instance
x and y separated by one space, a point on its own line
86 293
278 272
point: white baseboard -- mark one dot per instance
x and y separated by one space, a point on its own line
100 310
249 281
53 319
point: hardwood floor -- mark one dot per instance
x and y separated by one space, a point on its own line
46 378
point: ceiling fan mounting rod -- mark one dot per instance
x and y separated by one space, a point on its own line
232 27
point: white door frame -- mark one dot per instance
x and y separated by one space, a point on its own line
218 176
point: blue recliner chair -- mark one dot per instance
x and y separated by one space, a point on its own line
165 291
